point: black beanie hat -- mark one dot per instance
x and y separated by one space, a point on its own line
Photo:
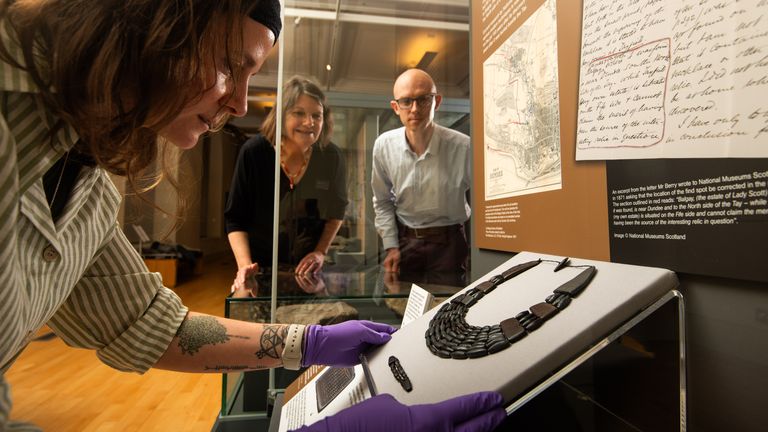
267 12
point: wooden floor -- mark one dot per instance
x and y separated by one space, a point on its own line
64 389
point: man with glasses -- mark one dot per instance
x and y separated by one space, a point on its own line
421 180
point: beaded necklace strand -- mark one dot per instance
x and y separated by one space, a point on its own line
450 336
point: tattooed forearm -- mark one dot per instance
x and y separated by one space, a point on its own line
272 341
220 368
197 331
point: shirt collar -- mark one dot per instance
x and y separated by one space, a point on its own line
433 148
11 77
434 143
14 79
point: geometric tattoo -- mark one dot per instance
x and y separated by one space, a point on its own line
197 331
272 340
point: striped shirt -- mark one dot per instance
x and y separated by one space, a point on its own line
79 274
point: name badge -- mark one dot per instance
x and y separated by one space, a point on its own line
323 184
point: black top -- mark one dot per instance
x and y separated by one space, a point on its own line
60 179
320 195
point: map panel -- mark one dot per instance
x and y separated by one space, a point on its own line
522 113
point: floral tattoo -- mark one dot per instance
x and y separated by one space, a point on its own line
198 331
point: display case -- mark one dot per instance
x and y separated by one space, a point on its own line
337 294
615 360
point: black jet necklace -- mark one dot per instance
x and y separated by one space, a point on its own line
450 336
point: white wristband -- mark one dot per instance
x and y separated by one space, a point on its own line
292 352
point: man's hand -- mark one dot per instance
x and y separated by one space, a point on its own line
392 260
392 282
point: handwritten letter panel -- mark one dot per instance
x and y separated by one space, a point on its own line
673 79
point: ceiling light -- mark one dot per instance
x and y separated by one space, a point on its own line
327 67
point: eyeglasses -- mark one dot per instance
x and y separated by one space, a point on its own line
422 101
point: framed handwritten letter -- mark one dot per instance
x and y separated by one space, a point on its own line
673 79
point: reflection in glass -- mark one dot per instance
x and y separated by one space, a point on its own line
312 187
355 56
355 53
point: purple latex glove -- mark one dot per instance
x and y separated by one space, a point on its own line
341 344
476 412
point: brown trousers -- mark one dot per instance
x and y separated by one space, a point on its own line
434 255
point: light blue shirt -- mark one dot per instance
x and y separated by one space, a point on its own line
420 191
